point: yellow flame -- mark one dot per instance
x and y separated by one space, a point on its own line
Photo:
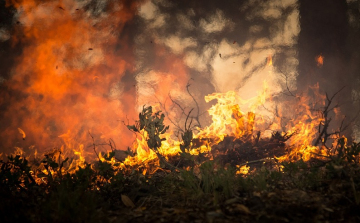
227 118
244 170
231 116
269 60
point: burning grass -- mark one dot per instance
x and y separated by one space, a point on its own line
229 171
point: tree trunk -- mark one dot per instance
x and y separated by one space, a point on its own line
324 31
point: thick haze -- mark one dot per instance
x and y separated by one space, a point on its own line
73 67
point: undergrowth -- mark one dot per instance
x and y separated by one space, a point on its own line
48 191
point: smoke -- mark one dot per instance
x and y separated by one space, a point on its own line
80 66
87 66
67 81
217 46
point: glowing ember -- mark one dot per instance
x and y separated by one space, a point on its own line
320 60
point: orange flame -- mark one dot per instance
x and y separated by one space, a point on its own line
299 119
69 74
320 60
269 61
227 119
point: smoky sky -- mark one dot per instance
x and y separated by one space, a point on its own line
73 67
224 46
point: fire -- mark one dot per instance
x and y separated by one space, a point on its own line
243 169
231 116
298 121
22 133
320 60
269 61
145 154
227 118
68 75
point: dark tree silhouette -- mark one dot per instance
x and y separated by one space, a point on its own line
324 32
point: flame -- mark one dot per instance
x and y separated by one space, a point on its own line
22 133
227 118
243 170
320 60
269 61
297 119
303 125
68 76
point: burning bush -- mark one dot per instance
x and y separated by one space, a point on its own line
231 168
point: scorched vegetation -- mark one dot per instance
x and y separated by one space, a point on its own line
234 175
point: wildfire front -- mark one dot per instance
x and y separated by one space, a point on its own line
173 111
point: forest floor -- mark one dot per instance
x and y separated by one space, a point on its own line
325 189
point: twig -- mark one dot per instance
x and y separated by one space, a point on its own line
112 144
256 161
94 146
183 112
197 105
323 134
351 121
187 117
173 101
286 83
162 159
167 114
320 155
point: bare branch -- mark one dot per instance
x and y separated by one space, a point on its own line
176 103
323 126
187 117
286 83
167 114
94 146
197 105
